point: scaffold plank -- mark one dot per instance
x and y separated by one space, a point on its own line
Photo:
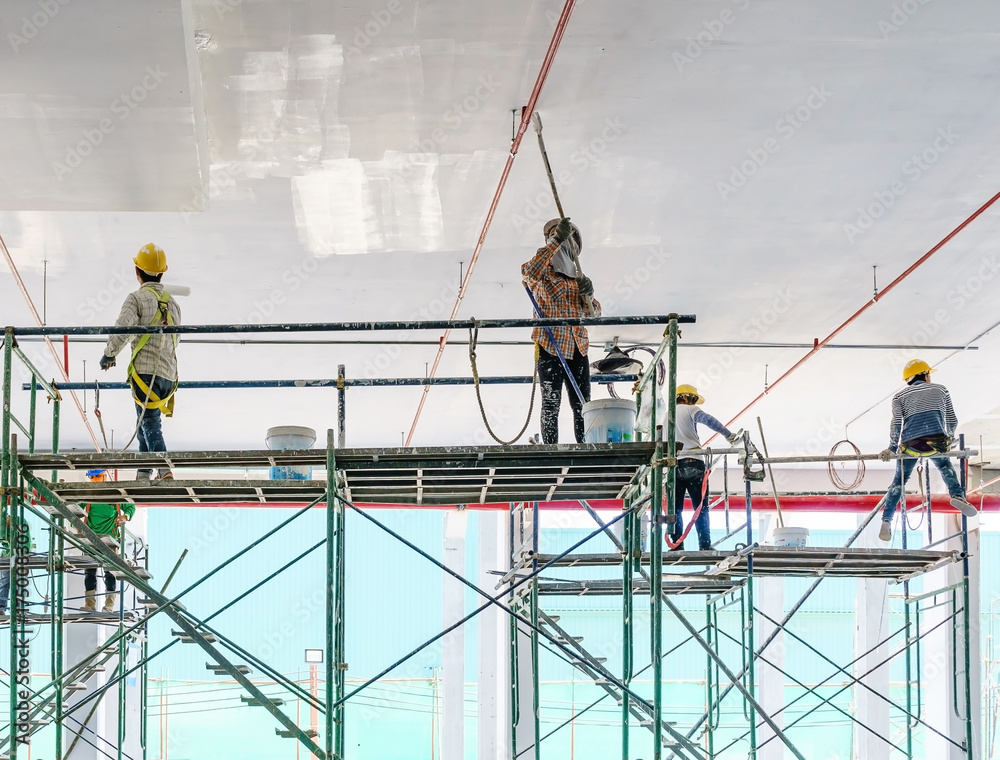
788 561
672 584
423 476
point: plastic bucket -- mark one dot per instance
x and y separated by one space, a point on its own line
609 420
790 537
286 437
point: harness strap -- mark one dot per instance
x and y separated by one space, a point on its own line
142 394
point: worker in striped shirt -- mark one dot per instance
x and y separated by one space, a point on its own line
560 291
923 424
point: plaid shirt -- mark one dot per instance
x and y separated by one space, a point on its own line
557 296
158 356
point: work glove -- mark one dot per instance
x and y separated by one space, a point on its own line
886 454
585 285
734 438
107 362
562 231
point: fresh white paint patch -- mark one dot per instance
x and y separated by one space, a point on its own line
334 211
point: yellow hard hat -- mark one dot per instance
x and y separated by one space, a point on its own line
690 390
916 367
151 259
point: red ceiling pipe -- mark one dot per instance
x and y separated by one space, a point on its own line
48 341
818 344
526 114
811 503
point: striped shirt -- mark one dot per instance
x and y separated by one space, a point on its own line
919 411
158 356
558 297
689 417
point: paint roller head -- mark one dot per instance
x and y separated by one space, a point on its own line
177 290
536 120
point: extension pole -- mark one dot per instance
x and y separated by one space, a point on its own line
770 472
536 120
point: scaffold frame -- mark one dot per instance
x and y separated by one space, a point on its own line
642 475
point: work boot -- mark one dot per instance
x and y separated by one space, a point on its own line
962 505
885 532
109 602
90 604
165 475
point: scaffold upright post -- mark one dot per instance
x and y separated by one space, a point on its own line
341 408
970 749
332 593
628 532
750 651
655 588
57 543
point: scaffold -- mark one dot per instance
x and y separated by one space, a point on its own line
638 477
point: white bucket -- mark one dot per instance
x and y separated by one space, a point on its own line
286 437
790 537
609 420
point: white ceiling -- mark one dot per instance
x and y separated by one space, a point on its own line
357 161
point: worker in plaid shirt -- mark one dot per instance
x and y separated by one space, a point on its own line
152 370
560 291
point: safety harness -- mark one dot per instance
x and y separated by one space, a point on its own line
141 392
930 446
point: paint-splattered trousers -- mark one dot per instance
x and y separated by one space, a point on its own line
551 378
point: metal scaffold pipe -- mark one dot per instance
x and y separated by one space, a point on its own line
297 327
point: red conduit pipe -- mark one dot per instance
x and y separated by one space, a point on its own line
850 503
526 114
818 344
52 348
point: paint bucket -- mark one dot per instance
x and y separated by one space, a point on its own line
790 537
285 437
609 420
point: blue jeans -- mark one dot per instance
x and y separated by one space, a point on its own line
904 468
690 480
150 432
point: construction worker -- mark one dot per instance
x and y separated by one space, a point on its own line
558 290
104 520
152 370
690 473
923 424
6 552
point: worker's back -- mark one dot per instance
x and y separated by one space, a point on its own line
923 410
158 356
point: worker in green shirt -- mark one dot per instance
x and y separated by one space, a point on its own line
104 520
